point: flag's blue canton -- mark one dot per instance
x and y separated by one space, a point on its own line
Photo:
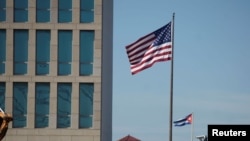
163 35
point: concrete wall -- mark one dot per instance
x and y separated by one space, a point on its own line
102 75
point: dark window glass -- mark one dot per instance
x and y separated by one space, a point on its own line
20 10
86 105
42 105
2 95
86 52
42 52
2 10
64 52
64 91
86 11
42 10
2 50
20 91
20 51
64 11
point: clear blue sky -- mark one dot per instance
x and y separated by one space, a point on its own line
211 67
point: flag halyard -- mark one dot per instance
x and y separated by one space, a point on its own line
149 49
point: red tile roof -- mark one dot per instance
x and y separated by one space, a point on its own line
129 138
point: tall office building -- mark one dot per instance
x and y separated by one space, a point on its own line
56 69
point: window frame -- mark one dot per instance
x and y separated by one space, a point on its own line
64 93
42 9
65 14
2 10
87 12
42 101
21 13
21 39
2 51
86 100
20 104
64 52
43 39
86 60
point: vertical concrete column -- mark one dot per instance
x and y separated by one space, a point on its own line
75 53
10 11
9 52
53 105
32 11
75 106
97 106
9 99
31 105
98 12
54 11
75 11
53 52
32 53
97 53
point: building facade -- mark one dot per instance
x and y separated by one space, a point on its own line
56 69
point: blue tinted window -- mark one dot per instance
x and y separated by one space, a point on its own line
64 11
42 52
86 11
20 51
64 52
86 52
2 95
20 91
2 10
42 105
2 50
43 10
64 91
20 10
86 105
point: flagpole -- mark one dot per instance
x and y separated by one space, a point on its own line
171 81
192 128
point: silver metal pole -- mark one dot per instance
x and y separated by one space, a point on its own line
171 82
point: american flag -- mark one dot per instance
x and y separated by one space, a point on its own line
149 49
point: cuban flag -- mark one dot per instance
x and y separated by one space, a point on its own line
183 121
